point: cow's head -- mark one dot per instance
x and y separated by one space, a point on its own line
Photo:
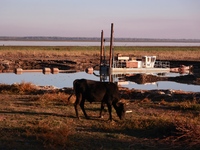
120 109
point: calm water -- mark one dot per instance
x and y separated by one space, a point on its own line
66 43
61 80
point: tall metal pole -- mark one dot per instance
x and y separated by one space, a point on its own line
111 46
111 54
102 48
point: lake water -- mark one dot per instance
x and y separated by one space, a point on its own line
69 43
61 80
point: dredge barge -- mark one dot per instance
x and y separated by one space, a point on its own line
148 64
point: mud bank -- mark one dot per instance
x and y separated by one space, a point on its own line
77 63
159 95
146 78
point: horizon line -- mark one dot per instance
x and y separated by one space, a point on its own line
85 37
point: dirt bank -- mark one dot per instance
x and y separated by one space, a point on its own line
76 63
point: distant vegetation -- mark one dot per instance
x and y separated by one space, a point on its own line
162 52
93 39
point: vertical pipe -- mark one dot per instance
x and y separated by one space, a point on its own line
104 52
101 50
111 46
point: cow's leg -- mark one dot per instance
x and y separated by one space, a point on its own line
102 108
77 102
83 108
110 111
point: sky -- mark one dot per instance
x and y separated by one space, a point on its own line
173 19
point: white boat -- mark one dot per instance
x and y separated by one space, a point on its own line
126 65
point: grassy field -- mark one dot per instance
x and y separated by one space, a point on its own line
35 119
167 53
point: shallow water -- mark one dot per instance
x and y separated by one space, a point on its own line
61 80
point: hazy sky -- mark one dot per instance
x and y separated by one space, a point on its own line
86 18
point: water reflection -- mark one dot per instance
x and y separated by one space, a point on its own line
175 81
61 80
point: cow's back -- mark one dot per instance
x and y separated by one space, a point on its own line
100 90
95 91
78 86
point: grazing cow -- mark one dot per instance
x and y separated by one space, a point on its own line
95 91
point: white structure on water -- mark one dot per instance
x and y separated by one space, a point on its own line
124 64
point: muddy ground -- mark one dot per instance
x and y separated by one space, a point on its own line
75 63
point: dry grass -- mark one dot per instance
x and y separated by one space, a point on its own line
166 53
18 88
188 130
50 136
47 51
47 121
58 97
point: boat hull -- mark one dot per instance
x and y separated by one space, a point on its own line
138 70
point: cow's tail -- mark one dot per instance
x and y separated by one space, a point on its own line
74 84
70 96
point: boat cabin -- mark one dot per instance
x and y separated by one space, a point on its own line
148 61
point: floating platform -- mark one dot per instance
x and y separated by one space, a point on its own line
44 71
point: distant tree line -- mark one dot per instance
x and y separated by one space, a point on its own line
92 39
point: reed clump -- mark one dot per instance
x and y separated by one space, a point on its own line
51 134
18 88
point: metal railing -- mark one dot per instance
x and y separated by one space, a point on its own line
158 64
162 64
119 64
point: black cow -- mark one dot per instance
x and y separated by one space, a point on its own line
95 91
